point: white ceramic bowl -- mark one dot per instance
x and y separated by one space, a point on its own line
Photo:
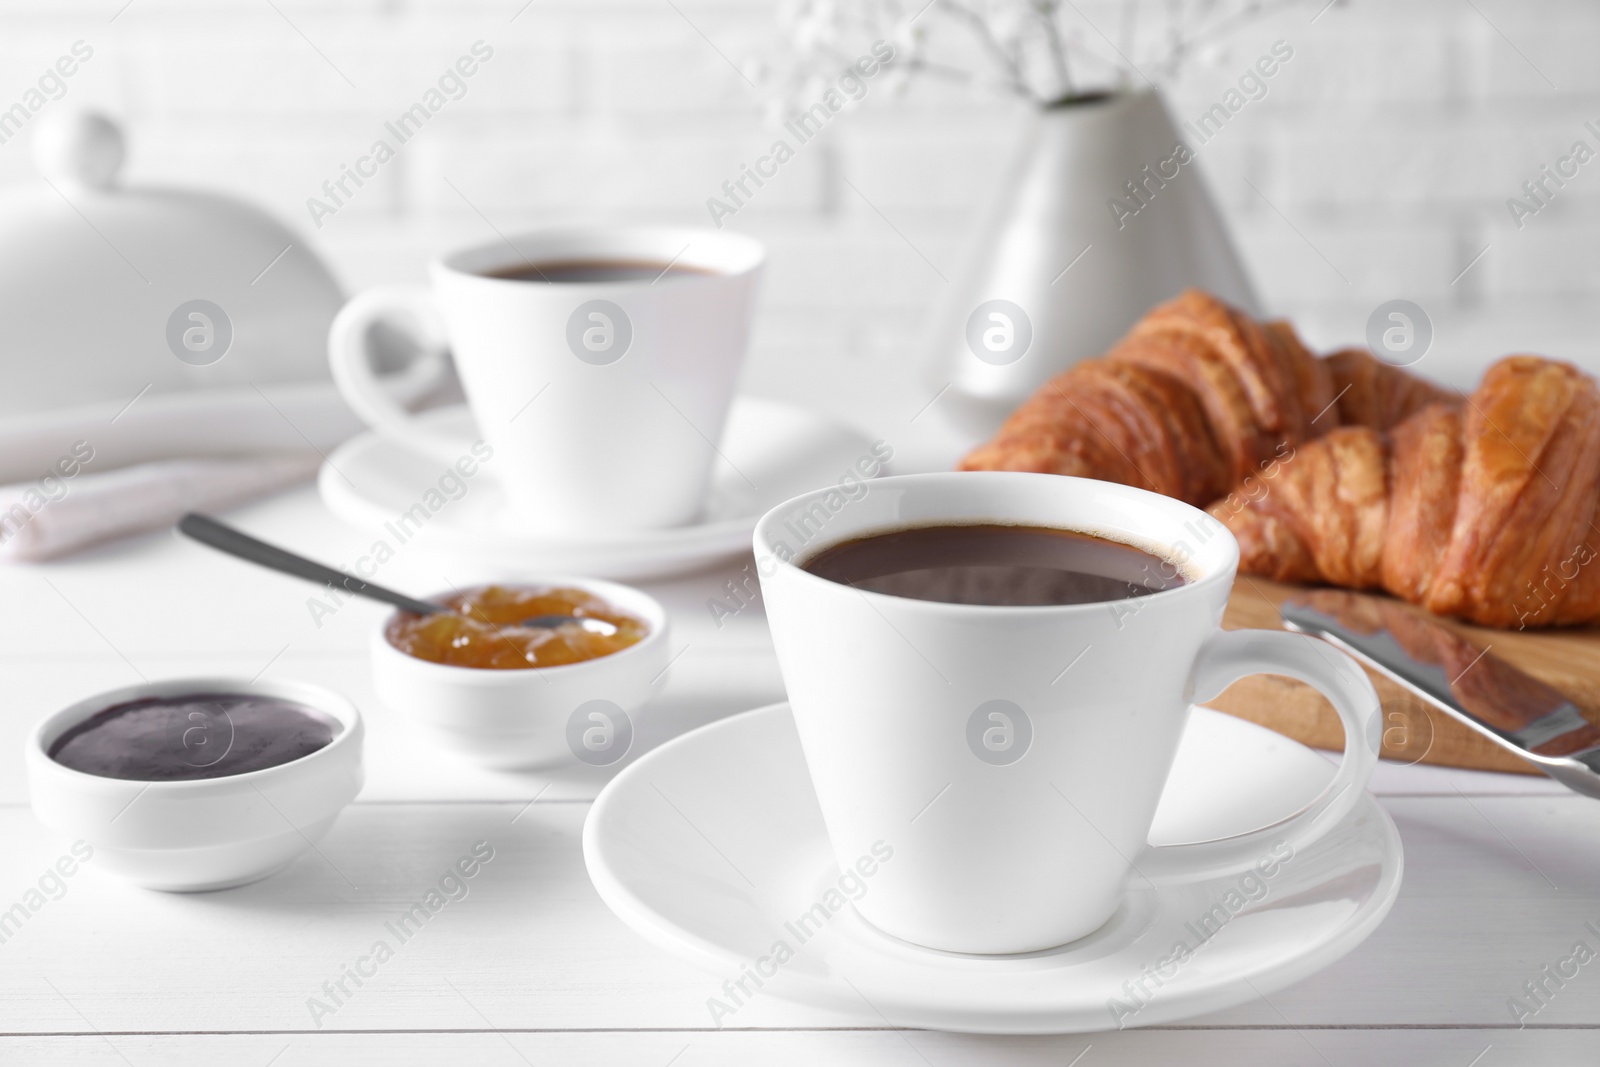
538 717
210 833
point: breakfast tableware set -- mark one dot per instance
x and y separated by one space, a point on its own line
983 807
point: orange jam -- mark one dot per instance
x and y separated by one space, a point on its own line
481 629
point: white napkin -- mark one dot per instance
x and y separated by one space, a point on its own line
57 515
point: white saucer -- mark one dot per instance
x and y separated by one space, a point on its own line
709 844
782 450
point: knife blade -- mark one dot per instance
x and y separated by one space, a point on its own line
1464 680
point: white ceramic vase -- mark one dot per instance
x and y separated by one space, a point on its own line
1099 216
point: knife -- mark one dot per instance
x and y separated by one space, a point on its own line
1464 680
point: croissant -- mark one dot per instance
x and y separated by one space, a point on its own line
1343 470
1487 512
1186 405
1197 398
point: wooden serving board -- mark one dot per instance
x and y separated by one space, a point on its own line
1413 732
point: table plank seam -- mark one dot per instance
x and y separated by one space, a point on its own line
1562 794
506 801
1170 1028
23 805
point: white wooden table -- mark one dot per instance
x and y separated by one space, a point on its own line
1502 873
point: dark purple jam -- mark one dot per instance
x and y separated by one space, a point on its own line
198 735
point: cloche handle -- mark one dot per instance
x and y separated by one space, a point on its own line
83 149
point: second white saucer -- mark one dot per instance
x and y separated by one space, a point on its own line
769 452
712 846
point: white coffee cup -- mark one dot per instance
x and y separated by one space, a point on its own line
602 401
1013 757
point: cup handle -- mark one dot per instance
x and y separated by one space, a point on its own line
362 389
1233 654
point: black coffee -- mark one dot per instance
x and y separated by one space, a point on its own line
996 564
591 271
206 735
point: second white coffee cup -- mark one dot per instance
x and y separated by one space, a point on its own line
602 391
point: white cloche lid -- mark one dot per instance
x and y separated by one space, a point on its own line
109 292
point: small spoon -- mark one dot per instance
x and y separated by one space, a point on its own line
225 538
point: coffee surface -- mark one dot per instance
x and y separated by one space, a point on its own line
592 271
204 735
997 565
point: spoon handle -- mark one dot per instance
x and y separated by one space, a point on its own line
225 538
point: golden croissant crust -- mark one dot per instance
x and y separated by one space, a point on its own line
1487 512
1197 397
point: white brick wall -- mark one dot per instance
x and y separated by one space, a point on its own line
1391 142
